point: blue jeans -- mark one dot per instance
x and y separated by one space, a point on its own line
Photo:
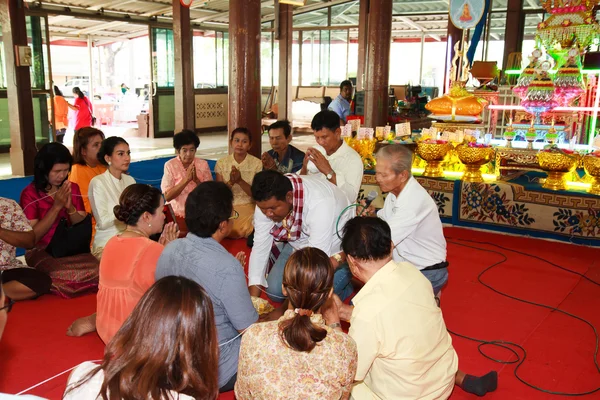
437 277
342 279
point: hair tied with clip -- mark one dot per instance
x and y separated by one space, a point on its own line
303 312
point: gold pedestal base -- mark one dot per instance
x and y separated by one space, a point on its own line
433 169
472 173
556 180
595 188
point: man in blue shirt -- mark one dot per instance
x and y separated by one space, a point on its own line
341 104
283 156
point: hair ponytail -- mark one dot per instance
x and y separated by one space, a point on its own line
301 334
308 280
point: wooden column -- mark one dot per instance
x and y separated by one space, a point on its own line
244 69
283 32
453 36
363 23
185 106
378 63
513 34
20 106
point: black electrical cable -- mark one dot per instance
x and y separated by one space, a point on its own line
506 344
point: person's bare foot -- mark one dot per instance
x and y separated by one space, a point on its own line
82 326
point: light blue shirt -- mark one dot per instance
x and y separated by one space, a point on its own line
340 106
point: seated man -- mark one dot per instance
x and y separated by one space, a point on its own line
341 104
201 258
332 159
412 215
292 213
404 349
283 157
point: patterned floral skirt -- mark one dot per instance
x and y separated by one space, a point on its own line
71 276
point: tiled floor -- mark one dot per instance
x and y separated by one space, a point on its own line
213 146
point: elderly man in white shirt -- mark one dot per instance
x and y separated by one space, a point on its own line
332 159
412 215
294 212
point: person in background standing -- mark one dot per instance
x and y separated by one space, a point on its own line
341 104
84 109
61 111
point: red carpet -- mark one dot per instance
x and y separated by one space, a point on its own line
559 349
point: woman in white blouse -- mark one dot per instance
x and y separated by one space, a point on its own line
105 190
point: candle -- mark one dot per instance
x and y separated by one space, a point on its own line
510 121
553 122
532 121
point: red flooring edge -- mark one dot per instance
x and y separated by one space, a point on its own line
560 350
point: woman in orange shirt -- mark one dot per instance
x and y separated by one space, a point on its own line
128 261
61 111
86 144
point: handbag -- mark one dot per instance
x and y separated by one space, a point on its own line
91 114
70 240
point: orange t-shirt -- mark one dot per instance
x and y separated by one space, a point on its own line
61 111
127 271
82 175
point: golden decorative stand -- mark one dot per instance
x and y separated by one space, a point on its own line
592 168
557 165
473 158
434 154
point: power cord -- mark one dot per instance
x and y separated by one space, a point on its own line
506 344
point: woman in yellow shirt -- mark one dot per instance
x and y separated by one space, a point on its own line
86 144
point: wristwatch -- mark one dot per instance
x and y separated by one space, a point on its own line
330 175
335 325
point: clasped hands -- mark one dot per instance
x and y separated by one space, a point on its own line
318 159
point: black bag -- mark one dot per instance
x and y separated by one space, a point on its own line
70 240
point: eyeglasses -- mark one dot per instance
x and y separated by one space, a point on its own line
235 215
8 307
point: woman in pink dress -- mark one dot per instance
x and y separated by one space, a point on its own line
84 109
184 172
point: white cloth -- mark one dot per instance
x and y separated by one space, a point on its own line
348 167
104 193
323 204
4 396
416 226
91 388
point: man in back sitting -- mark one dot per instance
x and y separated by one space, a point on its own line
282 157
201 258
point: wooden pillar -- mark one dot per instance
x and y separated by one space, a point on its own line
283 32
244 69
378 63
513 34
185 106
363 23
453 36
20 106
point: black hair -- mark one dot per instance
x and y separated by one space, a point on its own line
135 200
325 119
57 91
78 92
207 206
283 124
184 138
245 131
49 154
270 183
345 84
108 147
367 238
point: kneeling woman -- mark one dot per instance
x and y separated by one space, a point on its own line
129 260
275 356
166 349
48 200
238 170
